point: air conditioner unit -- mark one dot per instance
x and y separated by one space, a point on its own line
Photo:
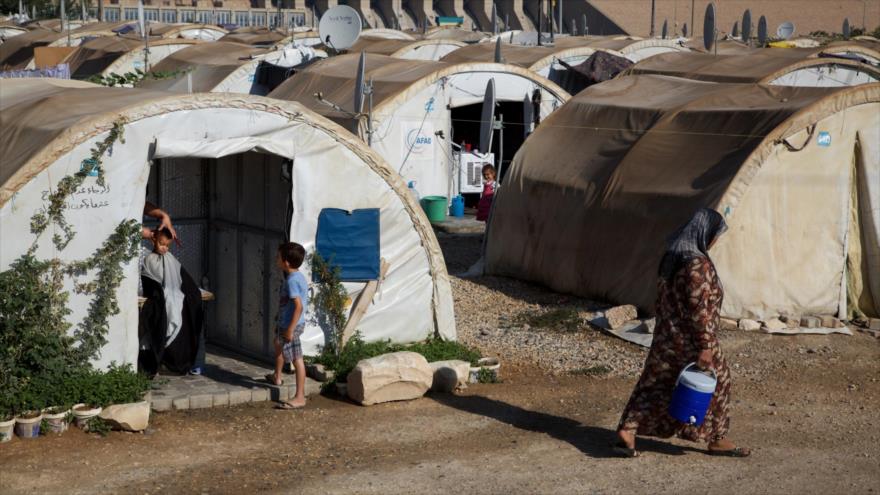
470 171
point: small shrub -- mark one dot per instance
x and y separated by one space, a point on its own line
485 375
98 426
443 350
561 319
598 370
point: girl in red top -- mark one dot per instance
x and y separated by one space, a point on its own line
489 186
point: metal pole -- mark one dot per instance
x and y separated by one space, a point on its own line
692 16
370 114
653 10
540 20
561 23
500 123
550 17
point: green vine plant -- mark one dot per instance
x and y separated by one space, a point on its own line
36 350
131 79
53 212
330 301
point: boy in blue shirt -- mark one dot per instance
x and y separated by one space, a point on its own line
291 321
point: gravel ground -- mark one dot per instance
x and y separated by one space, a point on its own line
488 312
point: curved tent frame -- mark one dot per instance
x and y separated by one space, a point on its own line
777 66
410 50
635 157
42 141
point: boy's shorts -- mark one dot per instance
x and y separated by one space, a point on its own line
290 350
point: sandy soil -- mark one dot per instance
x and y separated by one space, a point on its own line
811 416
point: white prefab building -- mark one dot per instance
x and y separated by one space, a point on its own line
239 174
420 107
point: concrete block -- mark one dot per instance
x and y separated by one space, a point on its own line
318 372
811 322
829 321
775 324
180 403
239 397
260 395
221 399
281 392
791 321
728 324
161 404
748 325
873 323
201 401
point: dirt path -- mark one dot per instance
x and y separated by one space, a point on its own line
811 416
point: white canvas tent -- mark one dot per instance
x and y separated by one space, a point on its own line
217 163
596 190
540 59
116 54
202 32
410 50
224 67
413 106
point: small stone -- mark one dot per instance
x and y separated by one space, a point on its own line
728 324
774 324
791 321
749 325
484 332
318 372
811 322
450 375
618 316
874 324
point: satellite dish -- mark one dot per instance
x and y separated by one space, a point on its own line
709 27
735 31
498 58
847 31
487 117
664 31
340 27
684 30
762 31
528 116
747 25
359 84
785 30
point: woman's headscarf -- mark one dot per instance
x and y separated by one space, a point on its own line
691 240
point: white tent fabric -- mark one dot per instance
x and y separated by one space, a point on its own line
42 141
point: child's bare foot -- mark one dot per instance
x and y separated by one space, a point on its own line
295 403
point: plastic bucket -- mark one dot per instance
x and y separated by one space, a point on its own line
6 430
456 209
692 395
28 427
435 207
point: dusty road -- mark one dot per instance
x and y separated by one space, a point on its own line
808 406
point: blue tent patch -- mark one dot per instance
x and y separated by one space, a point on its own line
824 139
350 240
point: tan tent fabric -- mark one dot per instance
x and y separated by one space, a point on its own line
763 66
392 78
210 63
596 189
443 33
17 52
95 55
254 37
528 57
393 48
173 30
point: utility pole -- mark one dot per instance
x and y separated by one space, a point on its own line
653 10
101 10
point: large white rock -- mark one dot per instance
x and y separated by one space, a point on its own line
390 377
450 376
129 417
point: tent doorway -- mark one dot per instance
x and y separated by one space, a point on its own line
230 214
466 129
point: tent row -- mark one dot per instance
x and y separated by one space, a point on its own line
230 167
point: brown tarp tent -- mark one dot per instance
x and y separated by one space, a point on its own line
763 66
17 52
594 192
404 48
206 65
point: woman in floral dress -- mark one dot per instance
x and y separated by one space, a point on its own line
688 305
